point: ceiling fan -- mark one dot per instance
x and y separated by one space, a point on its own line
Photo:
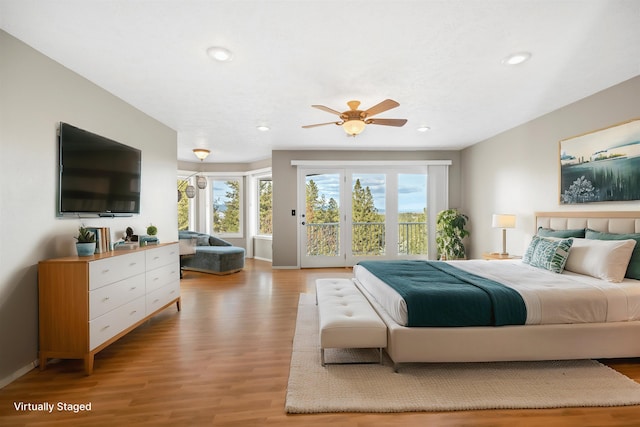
353 121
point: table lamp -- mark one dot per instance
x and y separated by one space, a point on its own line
504 221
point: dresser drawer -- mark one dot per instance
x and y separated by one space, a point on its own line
162 276
157 257
162 296
110 270
109 297
115 321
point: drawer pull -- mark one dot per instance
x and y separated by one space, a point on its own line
133 288
105 299
105 271
172 292
155 300
156 278
132 264
156 257
133 312
104 328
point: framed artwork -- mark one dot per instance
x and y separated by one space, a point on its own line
601 166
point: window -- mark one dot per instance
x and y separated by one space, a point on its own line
412 214
368 210
265 207
226 196
184 205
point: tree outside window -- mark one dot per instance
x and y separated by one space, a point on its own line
265 204
183 205
226 206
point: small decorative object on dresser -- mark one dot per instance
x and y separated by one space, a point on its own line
150 238
86 242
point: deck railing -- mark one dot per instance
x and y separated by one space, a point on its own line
368 238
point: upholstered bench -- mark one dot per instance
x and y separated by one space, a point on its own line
346 319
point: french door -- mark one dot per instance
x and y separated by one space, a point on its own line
321 218
348 215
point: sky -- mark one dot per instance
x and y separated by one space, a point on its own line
220 189
584 146
412 193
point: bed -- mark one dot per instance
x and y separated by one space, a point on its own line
610 333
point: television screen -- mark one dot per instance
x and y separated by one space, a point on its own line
97 175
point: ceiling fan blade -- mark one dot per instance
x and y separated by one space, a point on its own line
327 109
321 124
385 105
387 122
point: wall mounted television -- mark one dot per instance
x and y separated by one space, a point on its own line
97 176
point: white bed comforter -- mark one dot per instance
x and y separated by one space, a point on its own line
550 298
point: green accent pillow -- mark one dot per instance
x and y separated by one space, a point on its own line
633 269
563 234
548 254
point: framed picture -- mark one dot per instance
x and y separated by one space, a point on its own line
601 166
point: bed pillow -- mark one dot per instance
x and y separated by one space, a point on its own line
548 254
604 259
633 269
564 234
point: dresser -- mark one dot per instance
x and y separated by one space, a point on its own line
87 303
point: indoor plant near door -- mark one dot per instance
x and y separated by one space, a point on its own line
449 234
86 242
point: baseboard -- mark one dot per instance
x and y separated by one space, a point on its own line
262 259
17 374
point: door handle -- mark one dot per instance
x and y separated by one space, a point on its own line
303 223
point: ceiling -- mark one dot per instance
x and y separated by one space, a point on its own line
441 60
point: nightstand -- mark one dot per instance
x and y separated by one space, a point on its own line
495 256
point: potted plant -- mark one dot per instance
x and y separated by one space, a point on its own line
152 230
449 234
86 242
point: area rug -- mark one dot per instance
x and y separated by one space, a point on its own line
313 388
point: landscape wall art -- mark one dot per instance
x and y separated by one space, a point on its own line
601 166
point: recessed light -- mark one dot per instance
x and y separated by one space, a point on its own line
516 58
221 54
424 129
262 128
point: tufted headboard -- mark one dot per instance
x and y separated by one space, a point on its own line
619 222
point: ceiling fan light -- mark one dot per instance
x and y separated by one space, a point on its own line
353 127
201 153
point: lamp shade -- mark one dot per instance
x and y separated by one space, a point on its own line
353 127
503 221
201 182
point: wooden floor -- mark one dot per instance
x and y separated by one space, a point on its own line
224 360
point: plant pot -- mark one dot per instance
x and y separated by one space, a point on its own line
86 249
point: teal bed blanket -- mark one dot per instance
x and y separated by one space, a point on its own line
439 294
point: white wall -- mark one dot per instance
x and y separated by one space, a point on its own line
518 170
35 94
